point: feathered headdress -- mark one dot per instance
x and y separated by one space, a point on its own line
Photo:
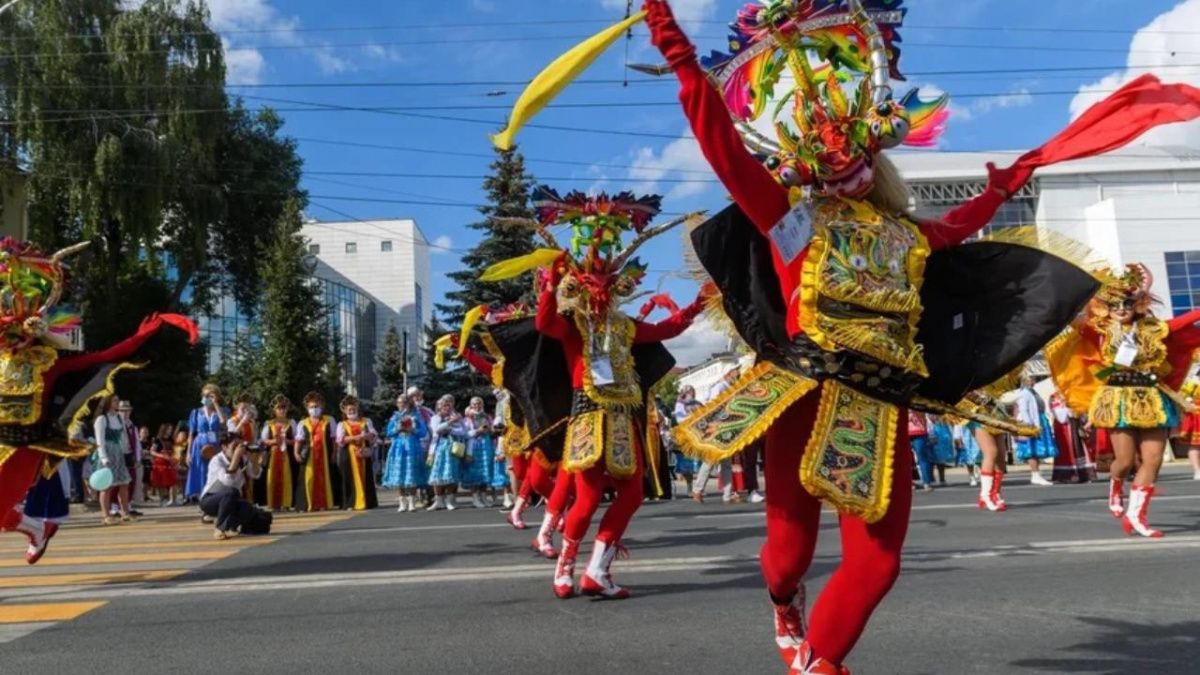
31 284
1132 286
830 139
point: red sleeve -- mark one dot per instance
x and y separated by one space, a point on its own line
668 328
478 361
548 321
763 200
1185 334
126 348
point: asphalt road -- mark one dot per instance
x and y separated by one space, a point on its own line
1052 586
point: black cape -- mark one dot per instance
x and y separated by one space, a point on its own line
988 306
536 375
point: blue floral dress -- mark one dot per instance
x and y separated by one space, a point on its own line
406 458
499 459
481 449
206 429
444 467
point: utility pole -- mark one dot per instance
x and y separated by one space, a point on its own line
404 359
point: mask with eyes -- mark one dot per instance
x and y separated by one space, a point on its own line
1123 297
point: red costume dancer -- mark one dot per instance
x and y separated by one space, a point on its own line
593 366
1124 367
44 392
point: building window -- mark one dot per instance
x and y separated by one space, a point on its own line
1183 279
351 247
932 200
385 246
314 249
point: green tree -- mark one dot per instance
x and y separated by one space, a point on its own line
295 344
389 368
333 381
508 187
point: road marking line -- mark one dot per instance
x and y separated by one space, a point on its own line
16 631
202 543
50 561
58 611
88 579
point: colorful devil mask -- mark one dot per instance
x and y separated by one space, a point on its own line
31 284
830 140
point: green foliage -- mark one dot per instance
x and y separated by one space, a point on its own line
389 368
295 348
508 189
668 390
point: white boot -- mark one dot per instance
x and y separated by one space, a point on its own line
1036 478
1116 497
508 500
514 514
477 501
449 500
597 580
1135 515
438 504
412 503
544 541
403 504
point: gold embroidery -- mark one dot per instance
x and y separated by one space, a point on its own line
741 414
616 346
621 448
1149 335
870 267
848 459
1138 407
21 383
585 441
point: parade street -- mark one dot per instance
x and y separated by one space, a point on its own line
1052 586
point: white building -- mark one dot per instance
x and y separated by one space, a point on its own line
1138 204
387 261
704 376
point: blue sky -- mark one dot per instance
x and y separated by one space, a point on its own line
1017 101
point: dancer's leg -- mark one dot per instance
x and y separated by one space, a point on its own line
870 566
792 513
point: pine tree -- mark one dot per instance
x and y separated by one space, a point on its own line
508 189
389 368
295 345
334 379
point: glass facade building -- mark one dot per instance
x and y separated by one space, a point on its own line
351 317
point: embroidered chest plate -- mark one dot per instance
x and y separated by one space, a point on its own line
609 378
21 383
1149 335
861 283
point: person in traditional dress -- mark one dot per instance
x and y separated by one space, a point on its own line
481 451
320 487
445 454
827 214
112 445
1071 464
278 436
405 470
1031 411
164 467
501 483
1123 367
424 494
1189 429
593 365
206 424
685 404
356 439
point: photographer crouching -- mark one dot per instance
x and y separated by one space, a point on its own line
222 499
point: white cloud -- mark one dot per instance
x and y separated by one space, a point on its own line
330 63
697 344
485 6
680 155
688 12
1018 98
442 244
1159 47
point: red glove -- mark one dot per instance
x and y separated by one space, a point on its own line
666 34
1008 181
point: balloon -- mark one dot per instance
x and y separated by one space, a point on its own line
101 479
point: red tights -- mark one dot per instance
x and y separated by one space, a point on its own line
560 496
17 474
537 479
870 553
589 490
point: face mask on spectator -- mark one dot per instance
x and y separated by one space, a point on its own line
314 412
352 415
